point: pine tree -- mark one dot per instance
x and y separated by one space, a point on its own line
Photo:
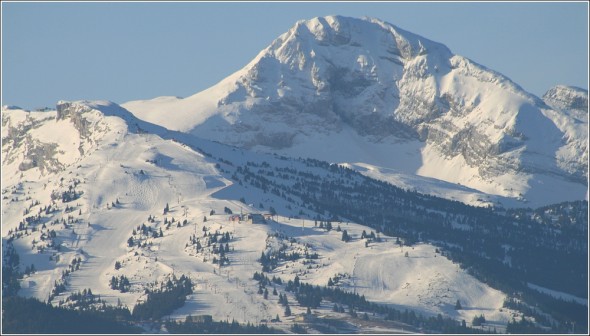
263 259
345 236
478 320
287 311
458 305
281 301
352 312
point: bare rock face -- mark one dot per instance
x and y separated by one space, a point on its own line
75 112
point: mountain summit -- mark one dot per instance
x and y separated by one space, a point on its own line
362 90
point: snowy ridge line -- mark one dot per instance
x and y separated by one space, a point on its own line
559 295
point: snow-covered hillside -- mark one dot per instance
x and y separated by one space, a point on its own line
362 90
80 214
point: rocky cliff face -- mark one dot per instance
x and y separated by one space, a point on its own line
47 142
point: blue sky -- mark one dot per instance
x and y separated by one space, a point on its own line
128 51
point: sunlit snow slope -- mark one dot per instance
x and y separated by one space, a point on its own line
364 91
98 174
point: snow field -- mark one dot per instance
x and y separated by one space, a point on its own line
424 281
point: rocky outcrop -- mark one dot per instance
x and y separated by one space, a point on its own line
567 97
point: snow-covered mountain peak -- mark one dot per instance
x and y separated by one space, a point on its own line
567 98
333 38
366 85
339 30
